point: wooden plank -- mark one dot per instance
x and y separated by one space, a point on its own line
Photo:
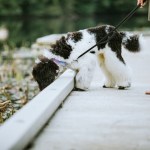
18 131
104 119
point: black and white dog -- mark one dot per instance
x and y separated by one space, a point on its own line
109 56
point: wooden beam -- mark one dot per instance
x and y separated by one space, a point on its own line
20 129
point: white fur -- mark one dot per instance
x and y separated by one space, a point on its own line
86 67
50 55
37 61
107 28
80 47
116 72
86 64
128 35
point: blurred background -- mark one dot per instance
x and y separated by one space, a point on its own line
23 21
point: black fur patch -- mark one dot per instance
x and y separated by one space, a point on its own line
132 43
75 36
61 48
45 72
99 33
114 39
115 43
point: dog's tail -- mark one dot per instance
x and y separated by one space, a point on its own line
132 42
45 72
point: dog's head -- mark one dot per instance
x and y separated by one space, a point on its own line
45 72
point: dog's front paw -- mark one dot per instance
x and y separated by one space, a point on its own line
81 83
77 89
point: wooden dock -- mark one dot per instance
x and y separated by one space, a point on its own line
103 119
98 119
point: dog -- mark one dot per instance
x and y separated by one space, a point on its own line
108 54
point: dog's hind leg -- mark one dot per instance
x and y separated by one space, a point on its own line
109 80
118 69
45 72
123 78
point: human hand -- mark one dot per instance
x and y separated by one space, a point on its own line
141 3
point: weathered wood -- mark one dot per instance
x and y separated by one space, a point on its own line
104 119
18 131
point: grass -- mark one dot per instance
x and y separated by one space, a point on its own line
17 86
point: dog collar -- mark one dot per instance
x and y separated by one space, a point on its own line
58 62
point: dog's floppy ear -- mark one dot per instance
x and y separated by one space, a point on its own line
45 72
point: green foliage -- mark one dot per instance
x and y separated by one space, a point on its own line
85 7
64 7
10 7
27 20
